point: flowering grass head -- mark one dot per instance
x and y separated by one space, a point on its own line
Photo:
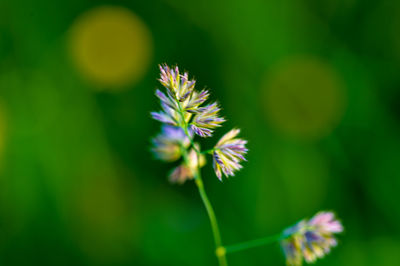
206 119
228 153
310 239
182 105
178 85
184 114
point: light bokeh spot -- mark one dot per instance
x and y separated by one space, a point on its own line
111 46
101 220
304 98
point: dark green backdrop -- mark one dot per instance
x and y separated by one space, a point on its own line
314 86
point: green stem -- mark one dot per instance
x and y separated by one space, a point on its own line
185 126
220 250
253 243
210 151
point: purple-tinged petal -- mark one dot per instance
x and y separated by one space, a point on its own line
229 152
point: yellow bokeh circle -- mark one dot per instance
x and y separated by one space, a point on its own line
111 46
303 98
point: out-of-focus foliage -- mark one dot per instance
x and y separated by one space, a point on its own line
314 86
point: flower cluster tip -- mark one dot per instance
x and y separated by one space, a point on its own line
184 110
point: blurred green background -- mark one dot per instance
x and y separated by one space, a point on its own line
314 85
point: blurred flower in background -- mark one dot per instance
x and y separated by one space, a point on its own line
310 239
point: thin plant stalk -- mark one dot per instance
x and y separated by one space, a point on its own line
219 251
253 243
